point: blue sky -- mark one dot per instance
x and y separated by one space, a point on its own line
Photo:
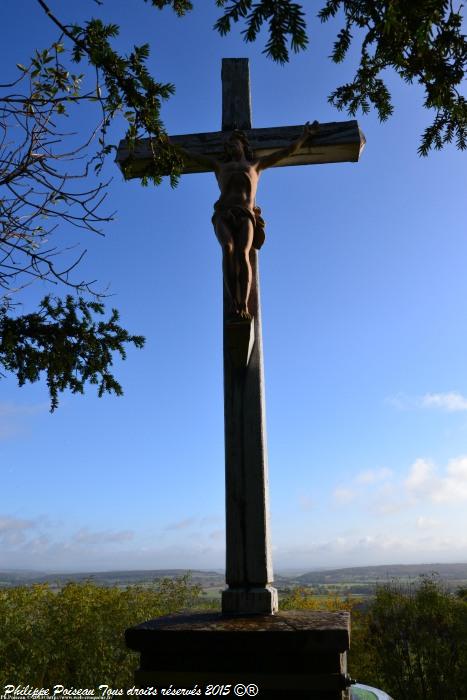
364 297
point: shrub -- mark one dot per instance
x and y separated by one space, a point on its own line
75 637
418 640
303 598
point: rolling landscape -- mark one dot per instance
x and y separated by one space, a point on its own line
94 615
359 581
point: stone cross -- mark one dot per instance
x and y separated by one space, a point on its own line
248 553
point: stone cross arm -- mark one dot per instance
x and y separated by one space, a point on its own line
336 142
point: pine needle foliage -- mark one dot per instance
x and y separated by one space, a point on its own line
423 41
285 19
64 341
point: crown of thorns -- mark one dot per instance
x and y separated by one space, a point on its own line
239 135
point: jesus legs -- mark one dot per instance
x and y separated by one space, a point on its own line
243 243
229 269
236 241
229 265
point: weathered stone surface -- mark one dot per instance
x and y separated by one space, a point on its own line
250 600
307 630
236 97
248 551
297 652
336 142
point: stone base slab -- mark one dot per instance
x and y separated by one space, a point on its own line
294 654
245 601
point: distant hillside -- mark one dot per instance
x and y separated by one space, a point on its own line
380 574
108 578
359 579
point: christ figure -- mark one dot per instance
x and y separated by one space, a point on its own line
237 220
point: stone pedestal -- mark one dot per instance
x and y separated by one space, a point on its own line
292 655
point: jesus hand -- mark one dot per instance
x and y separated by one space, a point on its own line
310 129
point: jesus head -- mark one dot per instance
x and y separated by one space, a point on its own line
237 146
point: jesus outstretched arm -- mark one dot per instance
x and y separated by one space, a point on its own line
206 161
276 156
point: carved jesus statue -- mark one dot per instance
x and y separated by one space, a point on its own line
237 220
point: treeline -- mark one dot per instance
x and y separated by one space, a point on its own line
411 641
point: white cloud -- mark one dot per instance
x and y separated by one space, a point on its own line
13 530
372 476
44 554
400 401
45 545
457 468
84 537
385 493
11 523
305 502
182 524
373 487
373 548
389 500
12 416
208 521
424 523
424 481
342 496
421 477
42 544
8 410
452 487
451 401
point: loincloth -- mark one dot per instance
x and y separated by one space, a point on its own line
235 213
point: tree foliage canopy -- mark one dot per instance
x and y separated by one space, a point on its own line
417 638
43 180
75 636
421 40
63 340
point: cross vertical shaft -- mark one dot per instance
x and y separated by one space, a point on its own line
249 569
248 549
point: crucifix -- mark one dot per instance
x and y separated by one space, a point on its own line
238 224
